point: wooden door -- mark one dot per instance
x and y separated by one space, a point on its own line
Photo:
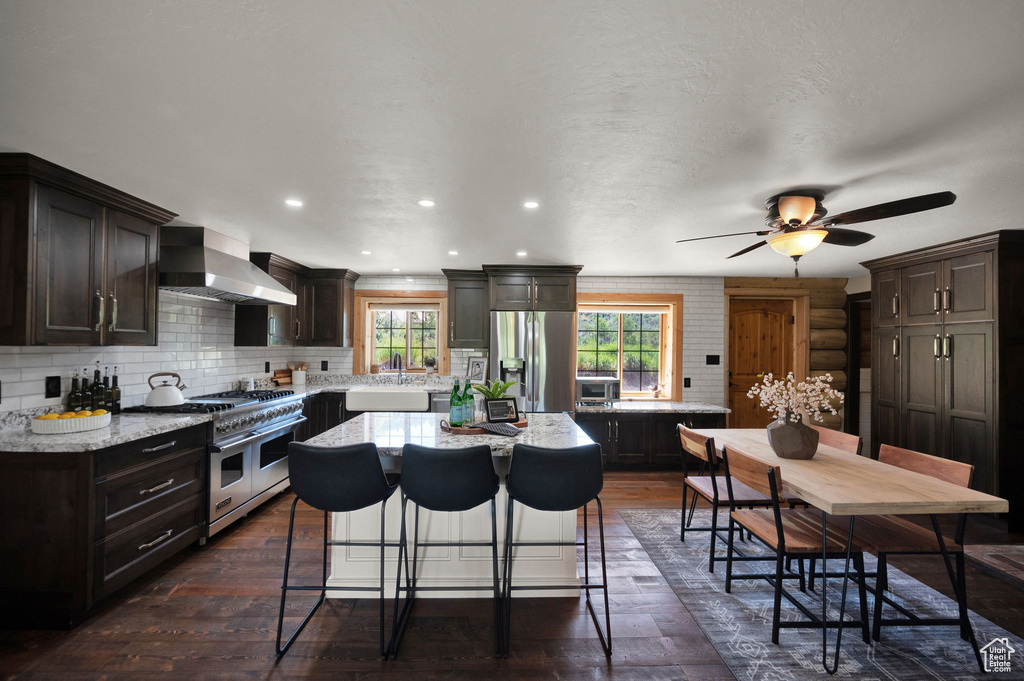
921 399
70 303
968 294
131 280
885 298
760 342
921 293
969 415
631 438
885 387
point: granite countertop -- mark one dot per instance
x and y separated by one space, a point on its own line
390 430
652 406
122 429
305 391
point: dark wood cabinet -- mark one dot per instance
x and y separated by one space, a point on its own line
944 371
885 298
79 259
331 410
515 287
78 526
321 316
468 309
642 439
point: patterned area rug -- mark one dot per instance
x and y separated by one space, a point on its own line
739 624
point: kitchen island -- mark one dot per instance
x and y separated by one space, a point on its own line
358 566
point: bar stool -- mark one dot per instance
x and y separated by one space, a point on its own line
448 480
557 480
335 480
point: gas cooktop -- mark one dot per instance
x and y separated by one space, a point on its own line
246 396
186 408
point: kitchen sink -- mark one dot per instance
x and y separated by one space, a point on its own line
388 398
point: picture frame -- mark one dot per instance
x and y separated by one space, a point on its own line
476 370
501 410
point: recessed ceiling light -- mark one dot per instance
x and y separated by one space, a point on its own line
531 204
366 252
293 202
396 269
453 252
521 253
408 278
427 203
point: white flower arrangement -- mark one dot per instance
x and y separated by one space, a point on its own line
788 399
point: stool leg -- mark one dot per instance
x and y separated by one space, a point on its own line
508 572
881 584
682 515
606 638
862 593
383 648
399 619
498 637
714 535
729 553
279 649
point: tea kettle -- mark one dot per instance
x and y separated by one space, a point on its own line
165 394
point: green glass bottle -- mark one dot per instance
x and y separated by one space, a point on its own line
468 405
455 408
86 390
75 396
99 394
115 395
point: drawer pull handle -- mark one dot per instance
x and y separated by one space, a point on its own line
163 537
165 483
148 450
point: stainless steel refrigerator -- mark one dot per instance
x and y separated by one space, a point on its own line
536 349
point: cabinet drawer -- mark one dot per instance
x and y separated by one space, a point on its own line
130 553
124 499
148 450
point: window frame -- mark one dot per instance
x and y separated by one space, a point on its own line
362 354
671 346
409 328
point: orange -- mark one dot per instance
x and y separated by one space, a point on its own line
66 416
48 417
99 412
84 412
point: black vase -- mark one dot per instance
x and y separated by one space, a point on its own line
792 439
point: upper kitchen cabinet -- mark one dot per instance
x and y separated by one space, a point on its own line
321 316
330 300
78 259
468 305
515 287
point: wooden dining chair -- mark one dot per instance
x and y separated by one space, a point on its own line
788 533
892 534
711 487
848 442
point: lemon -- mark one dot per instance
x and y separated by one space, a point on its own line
48 417
84 412
66 416
99 412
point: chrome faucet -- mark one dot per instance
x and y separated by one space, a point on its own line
396 361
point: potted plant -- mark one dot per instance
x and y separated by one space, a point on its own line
790 401
499 407
429 363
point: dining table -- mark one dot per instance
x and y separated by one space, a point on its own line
841 483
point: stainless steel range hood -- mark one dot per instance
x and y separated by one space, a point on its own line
201 262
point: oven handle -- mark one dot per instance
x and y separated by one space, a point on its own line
256 435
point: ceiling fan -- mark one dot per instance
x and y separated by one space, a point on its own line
797 224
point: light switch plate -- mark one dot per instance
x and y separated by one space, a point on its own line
323 365
52 387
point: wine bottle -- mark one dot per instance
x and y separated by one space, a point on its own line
108 398
86 390
455 409
115 395
468 405
99 395
75 396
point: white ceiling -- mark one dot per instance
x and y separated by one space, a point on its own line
634 123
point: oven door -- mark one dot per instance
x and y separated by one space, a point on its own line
270 454
230 477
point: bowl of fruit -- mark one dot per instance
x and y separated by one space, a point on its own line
55 423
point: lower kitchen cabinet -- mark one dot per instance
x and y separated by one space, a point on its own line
77 526
642 439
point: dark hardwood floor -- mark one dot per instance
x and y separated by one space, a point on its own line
212 615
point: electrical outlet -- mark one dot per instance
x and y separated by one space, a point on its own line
52 386
266 367
323 365
686 381
713 359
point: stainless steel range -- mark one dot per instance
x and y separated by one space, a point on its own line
249 450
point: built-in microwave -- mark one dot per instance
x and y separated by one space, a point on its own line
594 389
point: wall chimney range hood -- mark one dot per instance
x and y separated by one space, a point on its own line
200 262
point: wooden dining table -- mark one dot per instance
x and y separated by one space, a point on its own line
840 483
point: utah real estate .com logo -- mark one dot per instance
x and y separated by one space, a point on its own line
996 655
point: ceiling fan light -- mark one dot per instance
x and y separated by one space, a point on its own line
795 244
798 208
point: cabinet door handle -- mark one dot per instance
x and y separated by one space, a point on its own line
616 431
298 329
451 331
165 483
100 310
895 305
609 431
947 299
163 537
937 346
895 347
113 313
272 325
148 450
935 301
947 347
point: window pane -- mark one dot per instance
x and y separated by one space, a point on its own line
416 357
587 340
649 381
630 361
586 321
416 339
415 319
585 361
430 338
608 342
650 361
430 320
631 381
651 341
630 340
631 322
607 321
652 322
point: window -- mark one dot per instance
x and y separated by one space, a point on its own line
411 334
623 345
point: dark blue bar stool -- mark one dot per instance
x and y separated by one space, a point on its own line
444 480
335 480
557 480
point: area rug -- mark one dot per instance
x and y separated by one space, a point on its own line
1002 561
739 624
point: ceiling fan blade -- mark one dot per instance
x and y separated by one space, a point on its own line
718 236
847 237
748 249
915 204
